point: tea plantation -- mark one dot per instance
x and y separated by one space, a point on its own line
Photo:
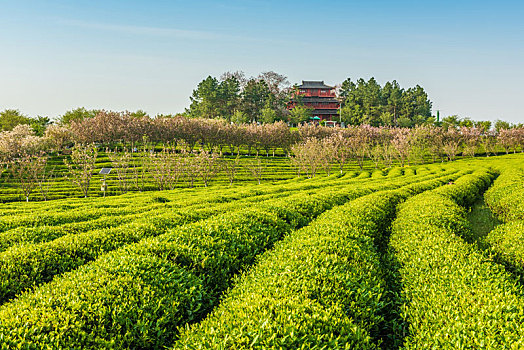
360 260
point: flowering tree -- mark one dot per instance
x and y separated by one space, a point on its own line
81 166
341 149
166 167
308 156
58 137
26 171
489 142
401 143
256 167
230 167
436 143
19 142
208 165
327 154
452 143
121 162
471 137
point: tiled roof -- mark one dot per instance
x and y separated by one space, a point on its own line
312 84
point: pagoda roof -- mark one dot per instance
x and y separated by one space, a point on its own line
314 84
307 99
325 111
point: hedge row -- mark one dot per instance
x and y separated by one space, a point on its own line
42 231
453 296
45 233
210 252
25 266
28 265
320 288
506 197
506 200
506 242
52 212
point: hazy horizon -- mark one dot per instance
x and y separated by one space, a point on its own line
130 55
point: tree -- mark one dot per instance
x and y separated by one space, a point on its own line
488 141
78 114
307 156
58 136
121 162
299 114
254 97
228 96
471 137
239 75
205 99
10 118
466 122
484 126
39 125
19 141
401 145
280 92
138 114
81 166
342 152
452 142
256 167
392 98
213 98
26 171
239 117
366 102
207 165
44 180
500 125
328 154
268 115
231 167
450 122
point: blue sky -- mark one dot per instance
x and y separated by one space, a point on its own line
128 55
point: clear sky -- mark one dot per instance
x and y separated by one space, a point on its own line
150 55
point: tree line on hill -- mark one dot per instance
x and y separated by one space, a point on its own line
264 99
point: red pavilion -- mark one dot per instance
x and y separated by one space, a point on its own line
320 97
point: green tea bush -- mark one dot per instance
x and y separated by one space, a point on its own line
213 250
453 296
507 243
506 197
122 301
322 287
24 266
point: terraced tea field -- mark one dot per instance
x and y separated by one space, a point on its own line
363 260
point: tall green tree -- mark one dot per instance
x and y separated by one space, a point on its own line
205 99
40 124
299 114
213 98
450 122
366 102
500 125
10 118
268 114
254 98
392 99
77 114
228 96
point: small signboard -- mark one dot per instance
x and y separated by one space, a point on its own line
105 171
